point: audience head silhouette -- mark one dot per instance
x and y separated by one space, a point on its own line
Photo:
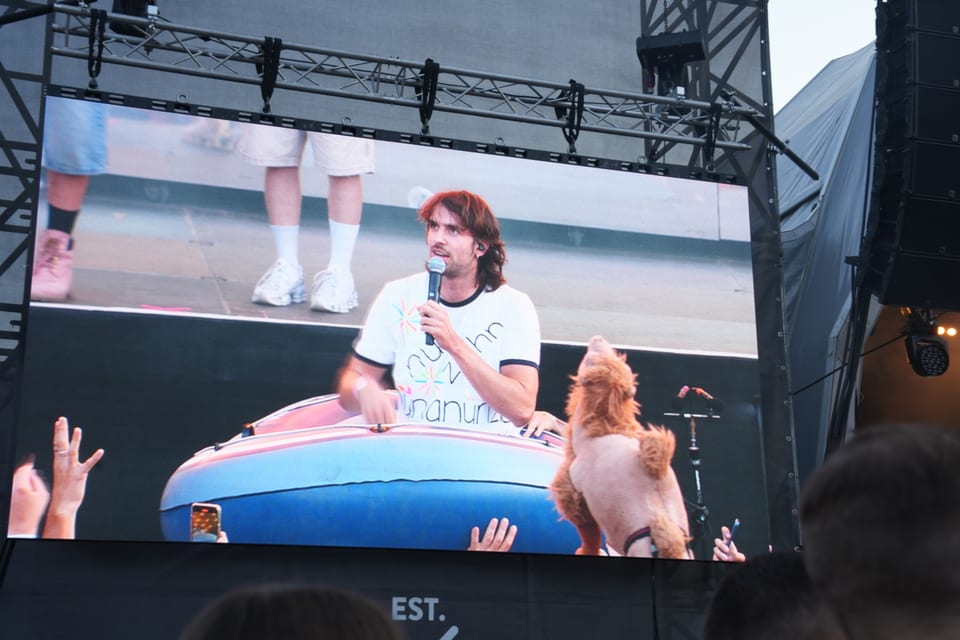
769 596
291 612
880 520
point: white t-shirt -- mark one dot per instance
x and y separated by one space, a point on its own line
501 325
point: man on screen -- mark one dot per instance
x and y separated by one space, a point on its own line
482 369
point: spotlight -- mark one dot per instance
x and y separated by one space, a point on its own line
926 351
927 355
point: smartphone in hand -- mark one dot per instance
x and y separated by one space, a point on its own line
204 522
733 529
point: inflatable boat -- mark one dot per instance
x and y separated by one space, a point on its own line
313 474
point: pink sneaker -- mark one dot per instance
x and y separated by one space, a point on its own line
52 267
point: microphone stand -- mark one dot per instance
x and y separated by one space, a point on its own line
698 511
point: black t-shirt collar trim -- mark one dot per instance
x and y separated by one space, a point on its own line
463 303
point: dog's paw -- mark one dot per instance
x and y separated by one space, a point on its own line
670 539
590 552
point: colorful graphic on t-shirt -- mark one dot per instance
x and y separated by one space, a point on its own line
501 325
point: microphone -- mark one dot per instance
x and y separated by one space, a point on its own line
436 267
677 401
712 403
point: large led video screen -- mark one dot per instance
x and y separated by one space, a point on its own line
195 316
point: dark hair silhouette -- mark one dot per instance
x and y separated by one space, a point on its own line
291 612
880 523
769 596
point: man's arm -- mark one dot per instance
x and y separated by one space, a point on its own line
361 389
511 391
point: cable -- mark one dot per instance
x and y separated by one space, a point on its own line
98 20
844 365
574 115
428 93
271 67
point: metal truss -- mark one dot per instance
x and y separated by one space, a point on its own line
19 173
736 36
731 31
427 86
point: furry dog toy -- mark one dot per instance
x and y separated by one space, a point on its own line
616 478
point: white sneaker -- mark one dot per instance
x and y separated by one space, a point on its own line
280 285
333 290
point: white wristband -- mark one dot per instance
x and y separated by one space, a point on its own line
359 385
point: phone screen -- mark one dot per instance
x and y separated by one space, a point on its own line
733 529
204 522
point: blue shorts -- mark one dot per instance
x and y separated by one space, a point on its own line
75 136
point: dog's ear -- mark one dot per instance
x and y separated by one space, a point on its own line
606 390
611 373
657 446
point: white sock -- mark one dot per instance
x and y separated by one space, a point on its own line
343 238
286 239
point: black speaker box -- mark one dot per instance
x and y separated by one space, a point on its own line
670 48
922 280
911 250
937 15
937 114
938 59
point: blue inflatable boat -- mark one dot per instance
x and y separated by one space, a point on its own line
312 474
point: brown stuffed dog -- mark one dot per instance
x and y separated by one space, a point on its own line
616 478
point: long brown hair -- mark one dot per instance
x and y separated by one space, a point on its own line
477 217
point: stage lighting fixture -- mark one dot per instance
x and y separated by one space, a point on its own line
928 355
926 351
138 9
664 58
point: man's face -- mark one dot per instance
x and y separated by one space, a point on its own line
448 239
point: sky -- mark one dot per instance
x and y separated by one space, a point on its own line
807 34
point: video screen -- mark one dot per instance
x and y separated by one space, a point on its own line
200 286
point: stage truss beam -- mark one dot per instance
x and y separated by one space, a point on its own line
173 48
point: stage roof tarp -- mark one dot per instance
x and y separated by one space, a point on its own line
829 124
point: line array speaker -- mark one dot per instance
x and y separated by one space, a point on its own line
911 250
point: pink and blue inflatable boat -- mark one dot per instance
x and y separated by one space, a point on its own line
312 474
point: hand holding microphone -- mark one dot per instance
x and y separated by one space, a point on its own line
436 267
